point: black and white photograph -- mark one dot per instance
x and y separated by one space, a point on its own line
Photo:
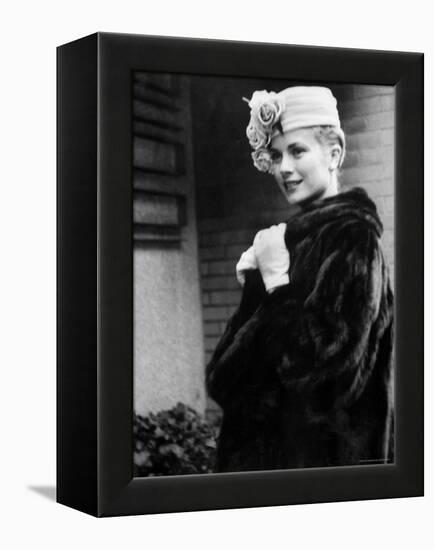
216 275
263 274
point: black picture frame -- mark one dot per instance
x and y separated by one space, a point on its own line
94 293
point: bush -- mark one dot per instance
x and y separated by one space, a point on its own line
173 442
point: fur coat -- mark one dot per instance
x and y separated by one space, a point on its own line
304 374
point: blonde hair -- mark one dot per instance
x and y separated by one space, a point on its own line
330 135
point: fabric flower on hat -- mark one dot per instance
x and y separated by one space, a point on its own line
257 137
266 108
265 111
269 113
262 160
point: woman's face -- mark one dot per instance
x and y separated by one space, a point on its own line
302 166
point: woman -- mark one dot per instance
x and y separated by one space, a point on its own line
303 372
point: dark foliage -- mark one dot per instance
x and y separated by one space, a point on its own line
173 442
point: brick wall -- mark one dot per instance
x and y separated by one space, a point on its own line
235 201
368 115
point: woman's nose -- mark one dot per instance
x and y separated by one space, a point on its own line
286 166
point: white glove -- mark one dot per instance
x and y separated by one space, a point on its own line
246 261
272 256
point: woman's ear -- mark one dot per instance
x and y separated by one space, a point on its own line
335 157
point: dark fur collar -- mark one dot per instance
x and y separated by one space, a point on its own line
353 205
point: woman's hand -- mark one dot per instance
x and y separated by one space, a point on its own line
272 256
247 261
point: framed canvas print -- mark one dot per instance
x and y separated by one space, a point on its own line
240 274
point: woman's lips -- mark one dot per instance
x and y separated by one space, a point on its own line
291 184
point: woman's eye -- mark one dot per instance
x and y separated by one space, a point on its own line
276 156
297 152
